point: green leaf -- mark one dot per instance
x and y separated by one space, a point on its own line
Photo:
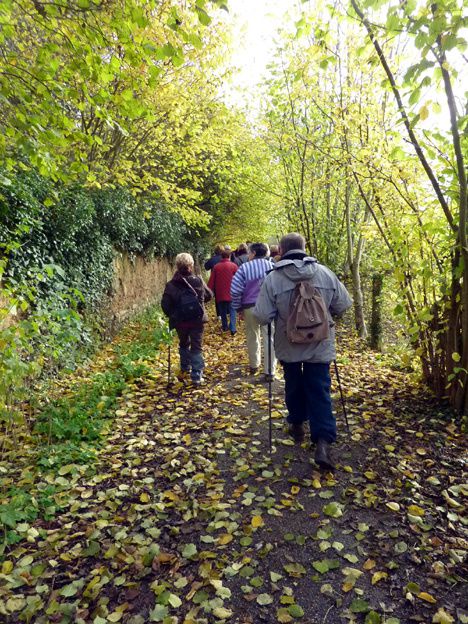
71 589
415 96
203 16
295 611
246 571
159 613
189 550
334 510
321 566
222 613
92 549
275 577
359 606
264 599
351 558
295 569
174 601
401 547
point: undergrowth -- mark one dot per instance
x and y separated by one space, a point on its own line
70 428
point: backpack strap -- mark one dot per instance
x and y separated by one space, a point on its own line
191 287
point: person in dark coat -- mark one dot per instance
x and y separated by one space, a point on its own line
215 258
241 255
190 331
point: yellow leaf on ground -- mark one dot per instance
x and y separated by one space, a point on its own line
427 597
257 521
369 564
7 567
378 576
442 617
144 498
415 510
225 538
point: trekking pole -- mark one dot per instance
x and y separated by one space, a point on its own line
270 394
345 413
169 366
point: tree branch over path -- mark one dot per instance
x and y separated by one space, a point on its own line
404 116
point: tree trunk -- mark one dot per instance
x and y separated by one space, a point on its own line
359 317
375 340
354 263
455 341
456 345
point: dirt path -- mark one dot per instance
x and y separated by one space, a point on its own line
188 519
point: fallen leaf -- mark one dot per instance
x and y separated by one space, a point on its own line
427 597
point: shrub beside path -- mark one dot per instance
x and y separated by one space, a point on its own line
186 518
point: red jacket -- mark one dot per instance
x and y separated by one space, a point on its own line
221 278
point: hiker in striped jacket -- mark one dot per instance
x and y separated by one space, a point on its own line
245 289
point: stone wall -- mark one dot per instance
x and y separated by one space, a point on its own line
137 283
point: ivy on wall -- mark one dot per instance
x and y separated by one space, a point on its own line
78 232
57 244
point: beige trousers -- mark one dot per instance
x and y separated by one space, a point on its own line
256 335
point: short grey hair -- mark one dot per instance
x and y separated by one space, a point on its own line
292 241
184 261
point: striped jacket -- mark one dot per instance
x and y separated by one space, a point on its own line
247 281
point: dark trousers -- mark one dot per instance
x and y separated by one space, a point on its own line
307 391
225 308
190 350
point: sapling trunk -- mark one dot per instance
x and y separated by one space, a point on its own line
375 339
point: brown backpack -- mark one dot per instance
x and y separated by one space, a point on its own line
308 319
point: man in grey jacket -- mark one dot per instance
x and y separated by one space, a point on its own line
306 366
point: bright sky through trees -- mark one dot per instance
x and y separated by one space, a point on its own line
256 24
255 35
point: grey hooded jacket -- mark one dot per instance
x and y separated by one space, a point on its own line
273 304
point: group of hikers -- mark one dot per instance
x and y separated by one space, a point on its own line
281 288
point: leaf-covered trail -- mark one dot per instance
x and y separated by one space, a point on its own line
189 520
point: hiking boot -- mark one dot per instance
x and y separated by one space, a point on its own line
296 431
233 333
197 382
182 375
323 456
